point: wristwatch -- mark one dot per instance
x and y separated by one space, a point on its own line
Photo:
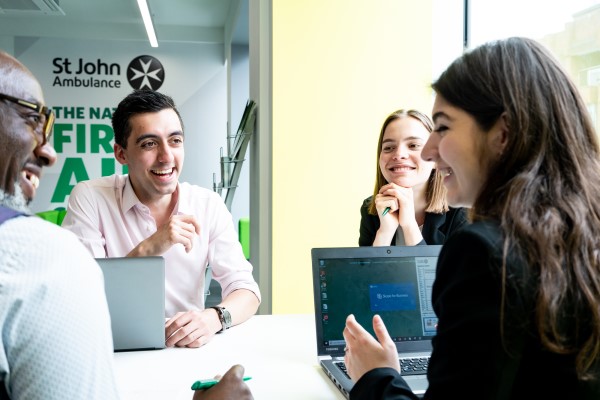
224 317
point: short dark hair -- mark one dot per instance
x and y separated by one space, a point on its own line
139 102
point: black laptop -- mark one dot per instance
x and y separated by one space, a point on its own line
394 282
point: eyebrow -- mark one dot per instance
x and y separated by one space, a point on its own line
404 140
440 114
154 136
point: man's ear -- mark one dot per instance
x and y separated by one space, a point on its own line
120 154
499 135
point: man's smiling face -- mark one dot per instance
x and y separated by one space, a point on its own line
21 136
154 154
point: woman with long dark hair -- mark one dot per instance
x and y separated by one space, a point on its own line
517 292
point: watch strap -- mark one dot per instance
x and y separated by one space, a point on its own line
224 317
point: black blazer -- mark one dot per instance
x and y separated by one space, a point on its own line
470 359
437 228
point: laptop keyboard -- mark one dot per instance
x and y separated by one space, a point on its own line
414 366
408 366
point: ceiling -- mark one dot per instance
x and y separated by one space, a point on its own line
198 21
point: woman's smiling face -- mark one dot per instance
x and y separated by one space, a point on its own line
400 154
463 152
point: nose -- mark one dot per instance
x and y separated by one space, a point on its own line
165 154
45 154
430 150
401 152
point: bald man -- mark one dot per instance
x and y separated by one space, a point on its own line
56 339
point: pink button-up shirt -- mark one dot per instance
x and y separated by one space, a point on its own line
110 221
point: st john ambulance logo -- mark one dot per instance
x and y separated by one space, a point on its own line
145 72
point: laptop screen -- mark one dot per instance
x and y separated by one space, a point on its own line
394 282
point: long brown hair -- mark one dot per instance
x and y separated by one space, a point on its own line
435 194
544 190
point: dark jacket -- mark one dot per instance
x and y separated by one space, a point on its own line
470 359
437 228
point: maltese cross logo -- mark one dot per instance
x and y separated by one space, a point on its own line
145 72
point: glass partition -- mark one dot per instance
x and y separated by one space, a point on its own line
570 29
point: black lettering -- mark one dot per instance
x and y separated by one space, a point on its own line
61 65
89 68
87 82
113 67
57 63
102 67
67 63
80 67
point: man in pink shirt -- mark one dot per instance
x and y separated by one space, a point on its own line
150 213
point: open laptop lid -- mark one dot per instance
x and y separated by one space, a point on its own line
394 282
135 292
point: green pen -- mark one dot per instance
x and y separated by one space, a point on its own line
208 383
387 209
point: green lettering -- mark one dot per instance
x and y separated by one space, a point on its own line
59 136
68 112
107 113
80 138
73 167
108 167
97 140
95 112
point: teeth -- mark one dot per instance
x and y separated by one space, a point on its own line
33 179
162 171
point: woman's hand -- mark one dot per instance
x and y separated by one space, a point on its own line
401 202
401 213
388 223
364 353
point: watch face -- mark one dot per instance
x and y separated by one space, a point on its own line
226 318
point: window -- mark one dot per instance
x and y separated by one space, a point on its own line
570 29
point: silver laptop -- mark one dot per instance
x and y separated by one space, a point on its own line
394 282
135 291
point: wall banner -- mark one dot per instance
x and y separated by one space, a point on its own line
84 81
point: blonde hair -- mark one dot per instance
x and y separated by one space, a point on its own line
435 194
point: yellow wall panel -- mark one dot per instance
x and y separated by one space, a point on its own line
339 67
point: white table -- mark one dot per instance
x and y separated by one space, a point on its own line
279 352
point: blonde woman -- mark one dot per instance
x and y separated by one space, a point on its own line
408 206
